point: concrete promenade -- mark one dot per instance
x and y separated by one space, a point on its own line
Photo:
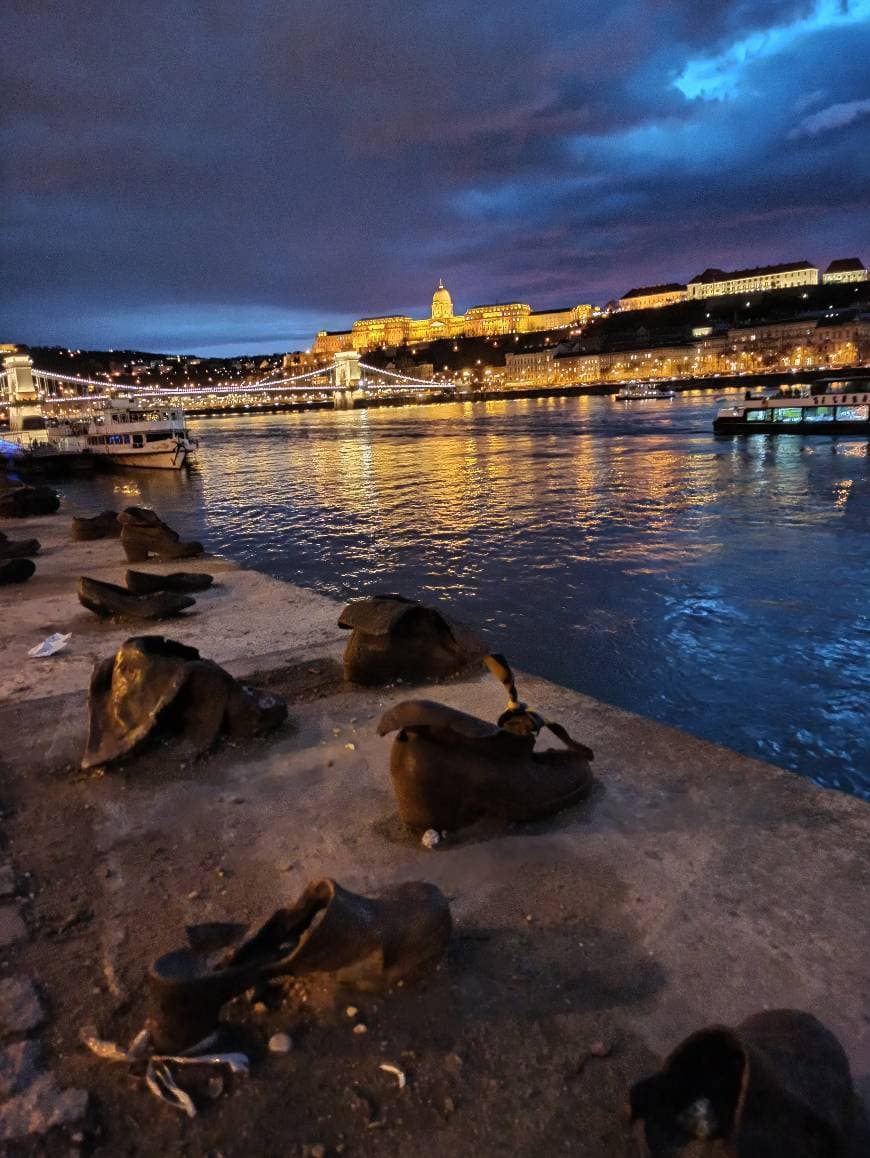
695 886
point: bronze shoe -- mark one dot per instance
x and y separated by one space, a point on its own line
154 688
102 526
186 582
16 571
450 769
143 533
777 1086
393 638
20 502
109 600
17 548
363 941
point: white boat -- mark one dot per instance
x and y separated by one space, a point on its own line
129 434
638 391
119 431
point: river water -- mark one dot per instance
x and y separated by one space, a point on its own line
719 585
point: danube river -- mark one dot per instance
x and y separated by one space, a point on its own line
619 548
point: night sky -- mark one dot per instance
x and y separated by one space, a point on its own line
228 177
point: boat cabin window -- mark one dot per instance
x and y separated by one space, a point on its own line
853 413
787 414
138 440
819 414
757 415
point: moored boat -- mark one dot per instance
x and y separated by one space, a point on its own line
127 434
796 411
643 390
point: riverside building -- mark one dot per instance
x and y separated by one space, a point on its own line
493 320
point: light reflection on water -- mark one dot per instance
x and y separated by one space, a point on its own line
617 548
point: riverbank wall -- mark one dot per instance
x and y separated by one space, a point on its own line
695 886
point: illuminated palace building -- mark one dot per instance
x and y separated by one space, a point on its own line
477 322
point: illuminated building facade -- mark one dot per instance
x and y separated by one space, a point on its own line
478 322
652 297
798 345
717 283
845 269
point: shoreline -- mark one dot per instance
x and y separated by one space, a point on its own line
696 885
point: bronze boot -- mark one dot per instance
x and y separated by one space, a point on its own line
364 941
144 534
779 1084
109 600
154 688
393 638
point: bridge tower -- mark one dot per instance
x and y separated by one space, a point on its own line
25 412
346 376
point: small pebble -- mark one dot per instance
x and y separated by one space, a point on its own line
350 747
599 1049
259 1007
194 895
360 1028
280 1043
430 838
351 1011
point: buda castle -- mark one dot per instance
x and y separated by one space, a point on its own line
476 322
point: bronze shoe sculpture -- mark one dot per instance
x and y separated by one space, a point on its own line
450 769
778 1085
154 688
364 941
108 600
186 582
393 638
144 534
17 548
16 571
102 526
22 501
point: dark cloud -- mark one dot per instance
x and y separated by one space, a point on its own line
185 177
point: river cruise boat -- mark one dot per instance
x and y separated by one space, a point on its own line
638 391
797 411
128 434
118 432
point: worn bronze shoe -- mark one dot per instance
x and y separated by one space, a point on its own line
109 600
102 526
450 769
144 534
20 502
143 583
16 571
363 941
393 638
778 1085
17 548
156 688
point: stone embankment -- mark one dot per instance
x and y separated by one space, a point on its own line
695 886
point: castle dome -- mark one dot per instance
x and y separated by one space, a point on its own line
442 303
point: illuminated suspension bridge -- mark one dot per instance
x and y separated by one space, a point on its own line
345 380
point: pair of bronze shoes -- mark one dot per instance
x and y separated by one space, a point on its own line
156 689
369 942
144 597
23 501
776 1086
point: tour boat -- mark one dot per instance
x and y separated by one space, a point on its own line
128 434
796 411
642 390
117 432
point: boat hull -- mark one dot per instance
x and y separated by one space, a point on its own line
171 459
741 426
